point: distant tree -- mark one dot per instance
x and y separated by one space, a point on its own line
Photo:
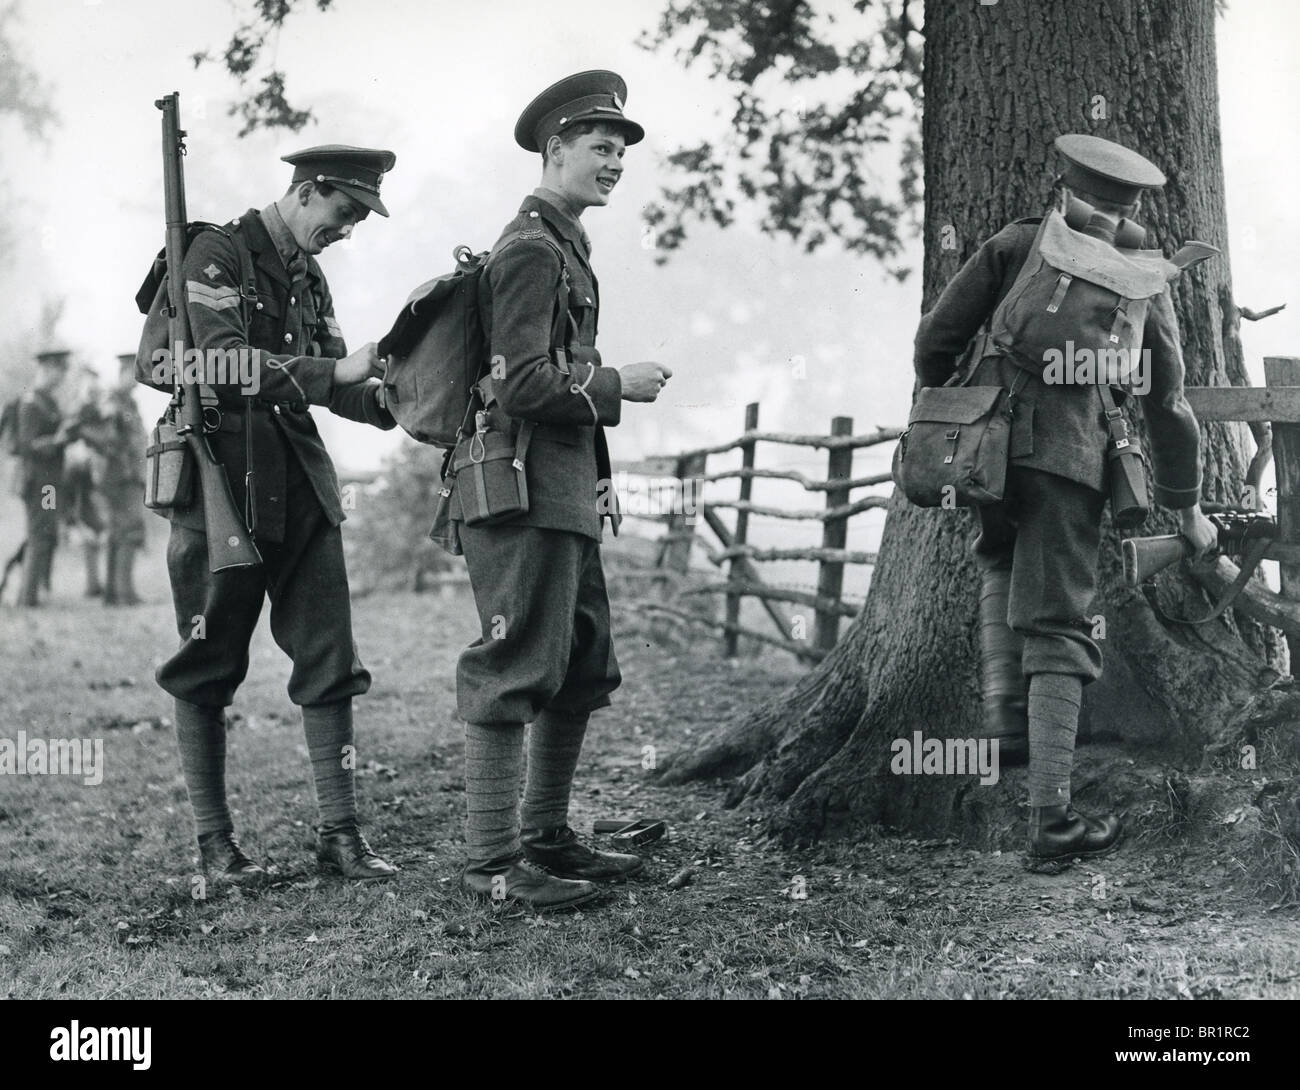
262 103
818 91
25 104
388 540
24 96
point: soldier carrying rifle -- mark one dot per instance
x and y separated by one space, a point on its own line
262 431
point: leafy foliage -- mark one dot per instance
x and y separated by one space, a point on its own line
23 94
266 106
818 89
388 530
25 98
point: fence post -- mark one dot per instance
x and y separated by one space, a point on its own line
736 568
1285 371
681 526
835 535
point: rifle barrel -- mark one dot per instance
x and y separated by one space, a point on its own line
230 543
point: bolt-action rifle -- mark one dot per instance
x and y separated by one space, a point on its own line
230 540
1251 535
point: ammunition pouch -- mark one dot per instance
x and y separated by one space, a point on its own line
956 447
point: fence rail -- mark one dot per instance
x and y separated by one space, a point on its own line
739 557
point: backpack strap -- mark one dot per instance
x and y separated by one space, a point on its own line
247 278
562 319
1025 273
560 323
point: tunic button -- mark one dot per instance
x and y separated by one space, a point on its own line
292 300
288 338
259 306
275 409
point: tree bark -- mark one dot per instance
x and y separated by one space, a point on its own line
1001 82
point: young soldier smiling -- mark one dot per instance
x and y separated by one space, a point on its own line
545 656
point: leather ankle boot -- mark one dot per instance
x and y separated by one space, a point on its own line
1006 694
513 878
224 861
345 851
1059 834
561 853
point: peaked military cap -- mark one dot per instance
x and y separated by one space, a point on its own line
56 357
356 171
588 96
1106 169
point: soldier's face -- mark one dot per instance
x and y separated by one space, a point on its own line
326 219
590 167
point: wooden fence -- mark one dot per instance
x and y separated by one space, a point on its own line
740 558
1273 413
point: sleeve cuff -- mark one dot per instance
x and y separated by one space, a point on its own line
1177 498
606 392
315 377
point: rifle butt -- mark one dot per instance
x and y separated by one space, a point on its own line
1144 556
230 545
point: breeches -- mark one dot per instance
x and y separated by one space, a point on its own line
311 615
1046 531
544 616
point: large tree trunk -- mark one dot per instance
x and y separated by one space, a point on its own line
1001 81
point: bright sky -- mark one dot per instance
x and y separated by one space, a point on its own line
441 83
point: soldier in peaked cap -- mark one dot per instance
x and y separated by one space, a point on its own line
254 290
1037 548
356 171
545 656
41 436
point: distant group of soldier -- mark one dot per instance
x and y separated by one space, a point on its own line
80 457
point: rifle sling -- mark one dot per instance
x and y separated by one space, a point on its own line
1250 561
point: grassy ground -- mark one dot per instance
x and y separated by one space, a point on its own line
97 883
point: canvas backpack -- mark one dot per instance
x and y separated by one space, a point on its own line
437 349
1081 301
1074 293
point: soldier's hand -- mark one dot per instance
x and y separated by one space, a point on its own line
1200 532
643 381
359 366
